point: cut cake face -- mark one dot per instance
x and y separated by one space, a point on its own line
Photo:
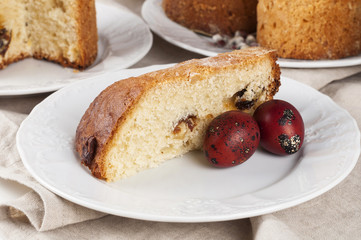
63 31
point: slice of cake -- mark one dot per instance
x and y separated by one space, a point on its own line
139 122
63 31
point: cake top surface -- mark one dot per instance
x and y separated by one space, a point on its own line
191 67
228 58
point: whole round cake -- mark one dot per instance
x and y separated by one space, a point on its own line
210 17
310 29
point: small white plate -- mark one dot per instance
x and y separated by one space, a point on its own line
187 188
180 36
124 39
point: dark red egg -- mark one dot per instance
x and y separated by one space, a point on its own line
281 127
231 139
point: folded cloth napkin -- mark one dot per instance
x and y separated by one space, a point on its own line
43 209
40 214
318 78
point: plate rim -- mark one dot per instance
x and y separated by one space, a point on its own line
83 75
283 62
152 217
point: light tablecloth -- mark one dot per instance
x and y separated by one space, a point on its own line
40 214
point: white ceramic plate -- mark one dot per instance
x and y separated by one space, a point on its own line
180 36
187 188
124 39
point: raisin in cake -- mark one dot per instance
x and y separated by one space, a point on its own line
63 31
139 122
310 29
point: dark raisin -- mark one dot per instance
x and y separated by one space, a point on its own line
190 122
89 150
239 94
5 39
244 105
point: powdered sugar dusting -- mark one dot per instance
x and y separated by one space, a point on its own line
221 60
230 58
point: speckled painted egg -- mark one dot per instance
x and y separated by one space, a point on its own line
281 126
231 139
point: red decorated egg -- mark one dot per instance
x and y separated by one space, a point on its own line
231 139
281 127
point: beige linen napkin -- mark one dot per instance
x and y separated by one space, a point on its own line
43 209
318 78
40 210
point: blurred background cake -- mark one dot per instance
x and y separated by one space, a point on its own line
62 31
310 29
210 17
298 29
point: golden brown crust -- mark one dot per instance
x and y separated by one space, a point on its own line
62 61
112 105
308 29
8 61
104 114
87 32
213 16
276 73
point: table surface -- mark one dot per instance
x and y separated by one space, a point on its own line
161 52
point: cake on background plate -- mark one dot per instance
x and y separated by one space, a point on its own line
298 29
310 29
210 17
62 31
